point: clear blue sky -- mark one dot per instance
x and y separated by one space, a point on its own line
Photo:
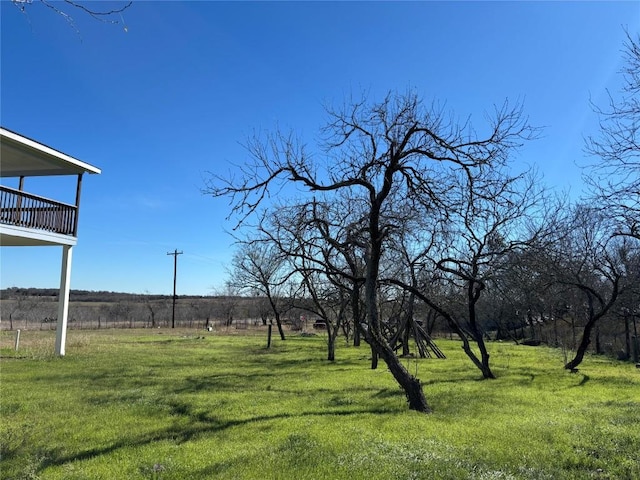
158 106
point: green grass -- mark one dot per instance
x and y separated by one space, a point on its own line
184 405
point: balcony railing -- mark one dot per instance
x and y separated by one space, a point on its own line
31 211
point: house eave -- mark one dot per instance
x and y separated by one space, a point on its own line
15 236
24 157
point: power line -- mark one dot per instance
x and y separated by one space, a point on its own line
175 254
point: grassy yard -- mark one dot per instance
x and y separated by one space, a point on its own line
192 405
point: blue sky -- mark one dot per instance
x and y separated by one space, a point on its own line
173 97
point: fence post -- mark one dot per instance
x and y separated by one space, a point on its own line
17 339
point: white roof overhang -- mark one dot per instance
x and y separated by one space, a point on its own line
20 156
14 236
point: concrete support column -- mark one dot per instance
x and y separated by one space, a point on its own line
63 300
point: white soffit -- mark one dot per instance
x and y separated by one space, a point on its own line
21 156
14 236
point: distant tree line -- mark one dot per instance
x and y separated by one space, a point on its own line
79 295
32 308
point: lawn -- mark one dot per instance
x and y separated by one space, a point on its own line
176 404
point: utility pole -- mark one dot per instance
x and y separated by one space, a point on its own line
175 254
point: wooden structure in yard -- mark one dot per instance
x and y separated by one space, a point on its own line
28 219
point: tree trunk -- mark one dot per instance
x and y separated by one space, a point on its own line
355 311
374 358
279 324
431 321
331 345
483 362
408 325
582 348
532 329
515 332
410 384
406 335
484 355
586 333
627 337
473 292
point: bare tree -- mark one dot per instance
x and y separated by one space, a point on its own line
19 302
258 267
326 301
227 304
153 306
385 154
615 177
627 308
321 240
464 247
591 259
292 231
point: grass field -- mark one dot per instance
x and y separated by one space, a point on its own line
140 404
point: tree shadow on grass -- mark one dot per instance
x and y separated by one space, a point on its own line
201 423
388 393
442 381
585 379
221 382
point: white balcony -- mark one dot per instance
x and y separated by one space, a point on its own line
29 219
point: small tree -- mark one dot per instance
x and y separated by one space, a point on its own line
591 260
257 266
